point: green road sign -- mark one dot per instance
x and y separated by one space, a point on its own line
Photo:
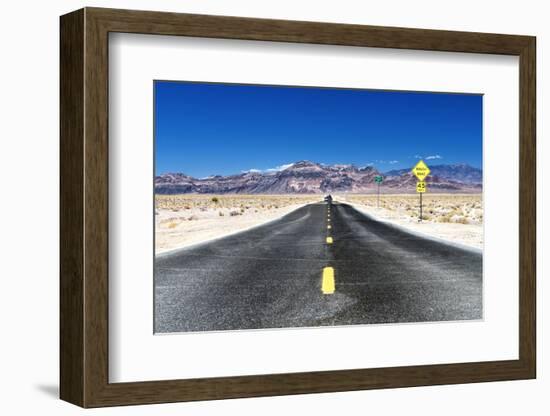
378 179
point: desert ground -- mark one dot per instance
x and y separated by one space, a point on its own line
184 220
452 217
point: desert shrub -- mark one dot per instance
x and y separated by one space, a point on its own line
215 200
459 219
192 218
220 214
234 213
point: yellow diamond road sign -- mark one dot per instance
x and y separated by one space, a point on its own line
421 170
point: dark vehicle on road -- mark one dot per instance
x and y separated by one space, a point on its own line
328 198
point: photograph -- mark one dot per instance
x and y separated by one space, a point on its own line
279 206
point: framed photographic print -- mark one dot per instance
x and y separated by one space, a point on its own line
255 207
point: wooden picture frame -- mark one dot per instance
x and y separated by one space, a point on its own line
84 207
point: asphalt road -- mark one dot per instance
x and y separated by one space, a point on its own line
273 276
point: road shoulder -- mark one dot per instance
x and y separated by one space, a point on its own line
465 236
195 234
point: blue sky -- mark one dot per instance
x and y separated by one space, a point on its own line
206 129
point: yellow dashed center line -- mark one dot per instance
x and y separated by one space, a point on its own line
328 281
328 286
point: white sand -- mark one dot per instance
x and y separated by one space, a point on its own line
466 234
185 228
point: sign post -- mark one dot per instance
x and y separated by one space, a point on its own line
421 171
420 188
378 179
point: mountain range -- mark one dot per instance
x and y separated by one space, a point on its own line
305 177
457 172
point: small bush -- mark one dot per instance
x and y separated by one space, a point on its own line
445 218
459 219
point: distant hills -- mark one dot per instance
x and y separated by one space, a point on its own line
457 172
305 177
